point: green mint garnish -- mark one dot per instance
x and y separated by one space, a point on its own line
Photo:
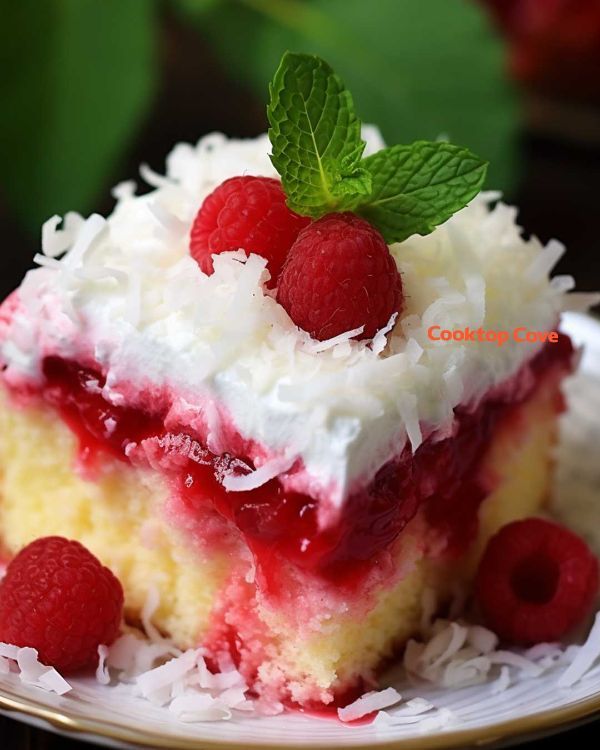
417 187
317 150
315 134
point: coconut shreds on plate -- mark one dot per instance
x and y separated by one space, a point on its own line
455 654
584 658
162 674
24 661
458 654
368 703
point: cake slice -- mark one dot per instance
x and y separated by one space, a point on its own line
293 499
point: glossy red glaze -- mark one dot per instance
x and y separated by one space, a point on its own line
443 476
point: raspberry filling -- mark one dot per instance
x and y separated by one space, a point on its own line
444 477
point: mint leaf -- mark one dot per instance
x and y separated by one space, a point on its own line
315 135
417 187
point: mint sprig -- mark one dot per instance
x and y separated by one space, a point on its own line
315 134
417 187
317 149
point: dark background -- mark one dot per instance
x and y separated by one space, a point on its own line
525 91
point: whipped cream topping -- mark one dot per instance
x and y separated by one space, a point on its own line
325 416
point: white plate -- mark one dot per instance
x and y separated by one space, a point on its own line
527 708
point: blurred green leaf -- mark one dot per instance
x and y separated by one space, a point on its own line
81 77
193 7
418 69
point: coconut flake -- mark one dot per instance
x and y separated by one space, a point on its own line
543 650
585 657
440 720
482 639
224 680
409 713
152 178
315 347
102 673
124 190
199 707
268 707
54 682
167 674
545 261
56 241
512 659
122 653
368 703
407 408
444 645
168 221
46 262
86 237
8 651
466 670
380 339
33 672
502 682
234 697
263 474
580 301
31 668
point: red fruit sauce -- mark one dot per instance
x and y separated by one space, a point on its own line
277 524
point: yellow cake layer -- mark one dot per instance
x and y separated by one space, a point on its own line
118 517
520 461
121 517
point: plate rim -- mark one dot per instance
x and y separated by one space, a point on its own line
491 735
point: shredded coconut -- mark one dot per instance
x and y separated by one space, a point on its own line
258 477
31 670
459 654
456 655
160 673
369 702
585 657
127 289
102 674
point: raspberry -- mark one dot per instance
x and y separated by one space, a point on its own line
536 581
340 275
59 599
248 213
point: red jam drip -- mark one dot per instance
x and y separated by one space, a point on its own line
442 476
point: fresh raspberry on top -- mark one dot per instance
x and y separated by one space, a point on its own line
339 276
247 213
59 599
536 581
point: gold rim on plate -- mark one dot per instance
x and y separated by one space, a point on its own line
492 735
